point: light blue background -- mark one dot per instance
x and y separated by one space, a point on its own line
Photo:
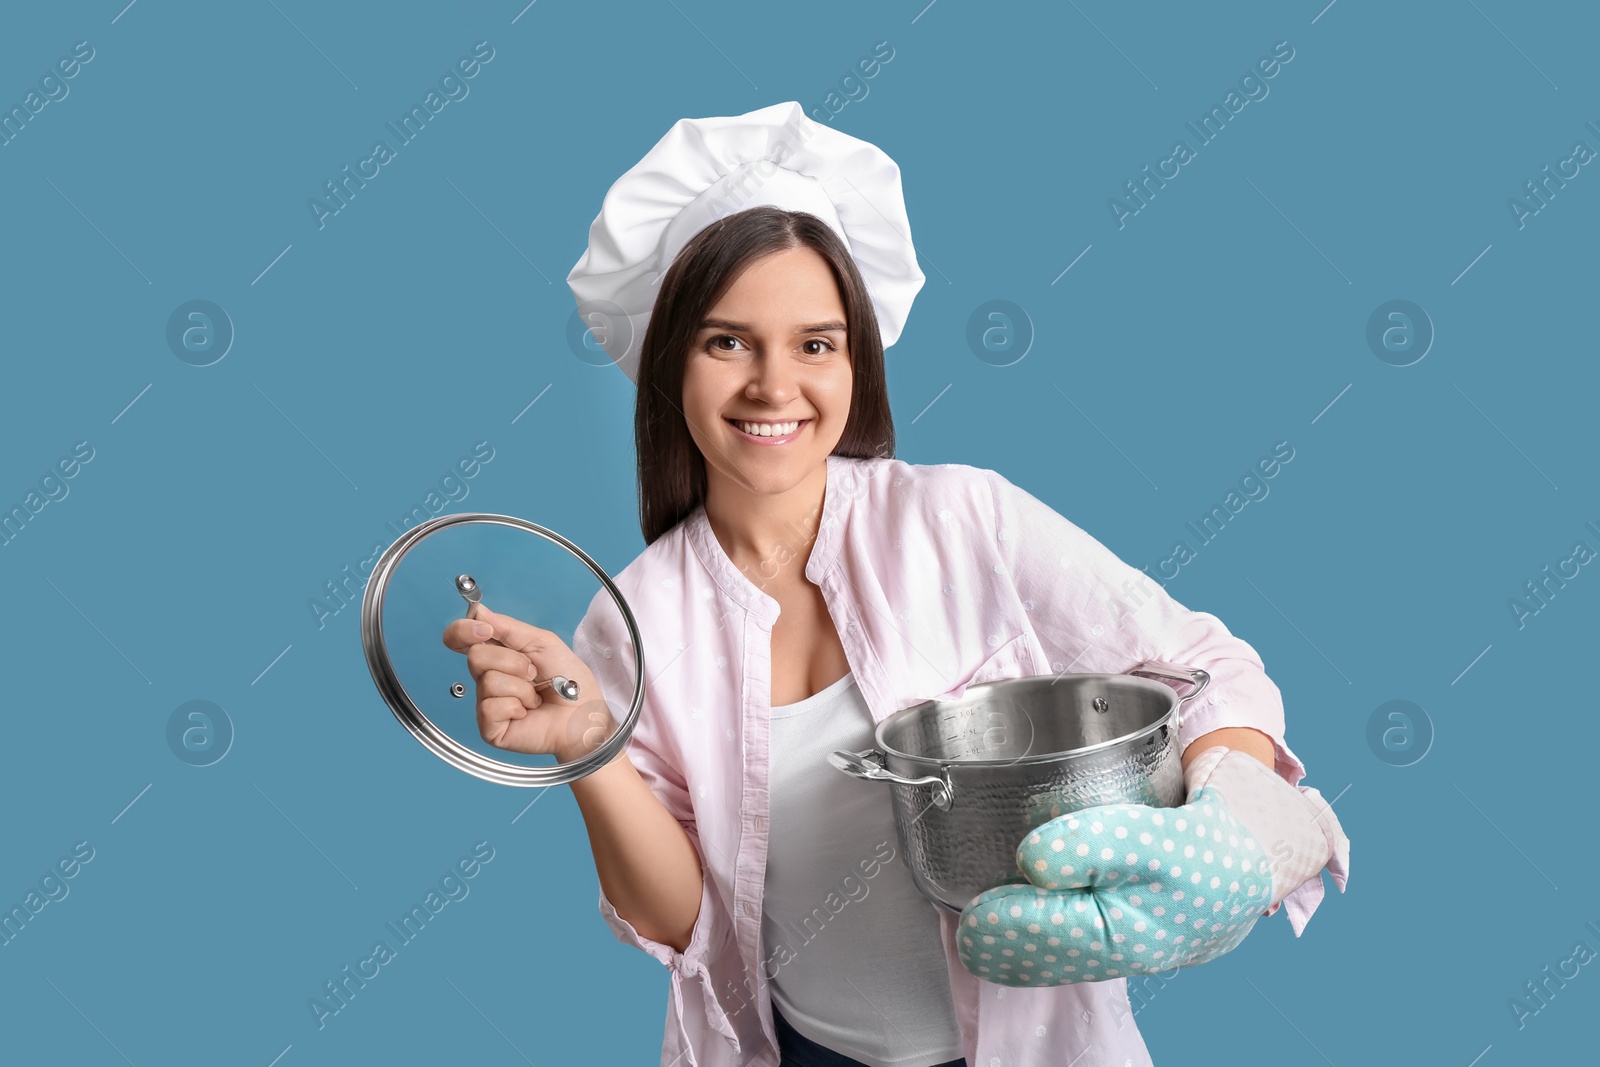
1228 315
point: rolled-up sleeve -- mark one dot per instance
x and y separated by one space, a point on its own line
601 641
1091 609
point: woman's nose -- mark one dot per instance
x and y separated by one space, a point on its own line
771 379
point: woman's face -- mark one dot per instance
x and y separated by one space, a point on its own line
772 351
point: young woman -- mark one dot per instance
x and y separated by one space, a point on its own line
798 586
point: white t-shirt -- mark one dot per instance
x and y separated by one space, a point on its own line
868 976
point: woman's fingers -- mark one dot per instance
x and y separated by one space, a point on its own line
461 634
495 716
499 684
504 663
490 657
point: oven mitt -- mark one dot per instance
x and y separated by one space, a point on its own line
1120 890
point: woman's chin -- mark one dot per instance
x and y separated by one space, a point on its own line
771 474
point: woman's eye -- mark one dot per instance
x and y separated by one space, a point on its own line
715 344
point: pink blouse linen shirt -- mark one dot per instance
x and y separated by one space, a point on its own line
936 577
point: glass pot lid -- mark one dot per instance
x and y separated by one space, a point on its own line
427 579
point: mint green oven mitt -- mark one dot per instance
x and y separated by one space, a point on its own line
1119 890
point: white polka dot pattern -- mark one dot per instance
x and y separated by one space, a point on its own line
1116 891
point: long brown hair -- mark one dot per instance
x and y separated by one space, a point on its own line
672 472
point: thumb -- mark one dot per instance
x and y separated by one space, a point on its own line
1085 849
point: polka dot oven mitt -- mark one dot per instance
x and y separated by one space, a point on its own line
1123 889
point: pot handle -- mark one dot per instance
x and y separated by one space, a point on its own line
1196 677
867 764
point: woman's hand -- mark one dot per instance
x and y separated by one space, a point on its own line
504 660
1124 889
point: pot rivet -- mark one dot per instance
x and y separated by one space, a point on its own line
1101 706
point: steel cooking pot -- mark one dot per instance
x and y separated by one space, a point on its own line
971 776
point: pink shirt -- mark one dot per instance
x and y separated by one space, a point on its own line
936 577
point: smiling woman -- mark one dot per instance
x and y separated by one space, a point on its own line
777 384
766 447
763 321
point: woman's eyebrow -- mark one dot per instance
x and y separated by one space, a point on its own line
818 327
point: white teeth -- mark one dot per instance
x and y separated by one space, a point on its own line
768 429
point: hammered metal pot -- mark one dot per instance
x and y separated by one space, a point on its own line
971 776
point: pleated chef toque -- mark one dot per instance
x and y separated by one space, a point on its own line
707 169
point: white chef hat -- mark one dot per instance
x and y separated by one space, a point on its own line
707 169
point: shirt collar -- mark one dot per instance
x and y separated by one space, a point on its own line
836 500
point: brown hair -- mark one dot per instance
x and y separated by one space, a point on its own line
672 472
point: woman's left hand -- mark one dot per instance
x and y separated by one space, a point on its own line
1123 889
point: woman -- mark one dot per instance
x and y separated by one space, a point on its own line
798 586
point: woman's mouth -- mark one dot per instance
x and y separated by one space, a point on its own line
769 433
